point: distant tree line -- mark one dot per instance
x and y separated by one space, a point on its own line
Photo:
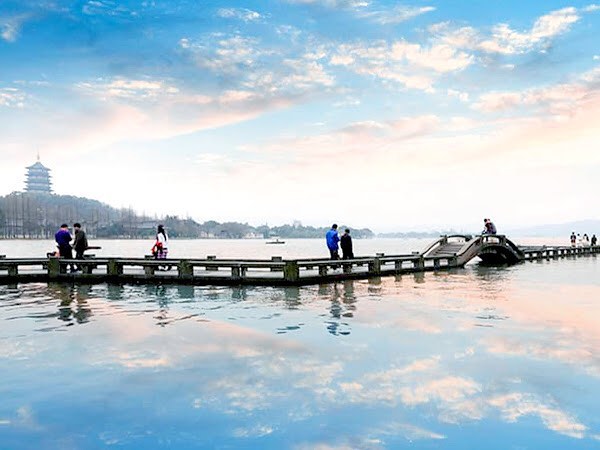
37 216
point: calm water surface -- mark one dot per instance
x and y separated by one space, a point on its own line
480 358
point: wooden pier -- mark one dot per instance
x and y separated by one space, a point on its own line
448 252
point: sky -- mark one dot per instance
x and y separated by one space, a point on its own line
396 116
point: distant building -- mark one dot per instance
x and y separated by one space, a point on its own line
38 178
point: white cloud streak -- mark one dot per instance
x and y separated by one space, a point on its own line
10 27
505 40
562 99
243 14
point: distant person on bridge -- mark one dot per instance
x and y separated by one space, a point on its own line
63 239
346 244
488 227
160 249
332 240
80 244
594 240
585 240
573 240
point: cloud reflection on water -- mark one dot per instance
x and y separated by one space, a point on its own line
414 364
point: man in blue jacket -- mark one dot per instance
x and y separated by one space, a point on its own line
332 239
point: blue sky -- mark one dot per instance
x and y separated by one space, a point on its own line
391 115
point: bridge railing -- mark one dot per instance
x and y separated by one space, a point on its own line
445 239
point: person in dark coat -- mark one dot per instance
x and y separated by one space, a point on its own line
346 244
80 245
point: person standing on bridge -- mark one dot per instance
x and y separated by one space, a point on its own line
332 239
160 249
80 244
594 240
346 244
489 227
573 240
63 239
585 240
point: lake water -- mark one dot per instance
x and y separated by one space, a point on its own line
477 358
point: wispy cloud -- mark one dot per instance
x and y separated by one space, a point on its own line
12 98
344 4
10 27
409 64
129 89
561 99
395 15
515 405
243 14
106 7
503 39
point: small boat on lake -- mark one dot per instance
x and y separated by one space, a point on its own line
275 241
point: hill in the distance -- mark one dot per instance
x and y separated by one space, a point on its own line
30 215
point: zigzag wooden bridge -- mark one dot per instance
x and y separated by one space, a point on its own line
448 252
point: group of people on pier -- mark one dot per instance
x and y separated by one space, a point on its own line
63 240
578 241
332 238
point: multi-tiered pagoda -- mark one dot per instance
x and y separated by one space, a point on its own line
38 179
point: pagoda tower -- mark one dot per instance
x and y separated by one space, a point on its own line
38 178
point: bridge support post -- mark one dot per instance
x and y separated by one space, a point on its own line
291 271
53 268
114 268
347 267
236 272
322 271
375 266
13 270
185 270
419 264
436 263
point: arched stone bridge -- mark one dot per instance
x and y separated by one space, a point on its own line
493 249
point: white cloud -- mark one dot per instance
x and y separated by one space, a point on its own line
129 89
243 14
591 8
10 27
462 96
105 7
561 99
448 389
253 432
410 432
396 15
408 64
505 40
12 98
515 405
343 4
